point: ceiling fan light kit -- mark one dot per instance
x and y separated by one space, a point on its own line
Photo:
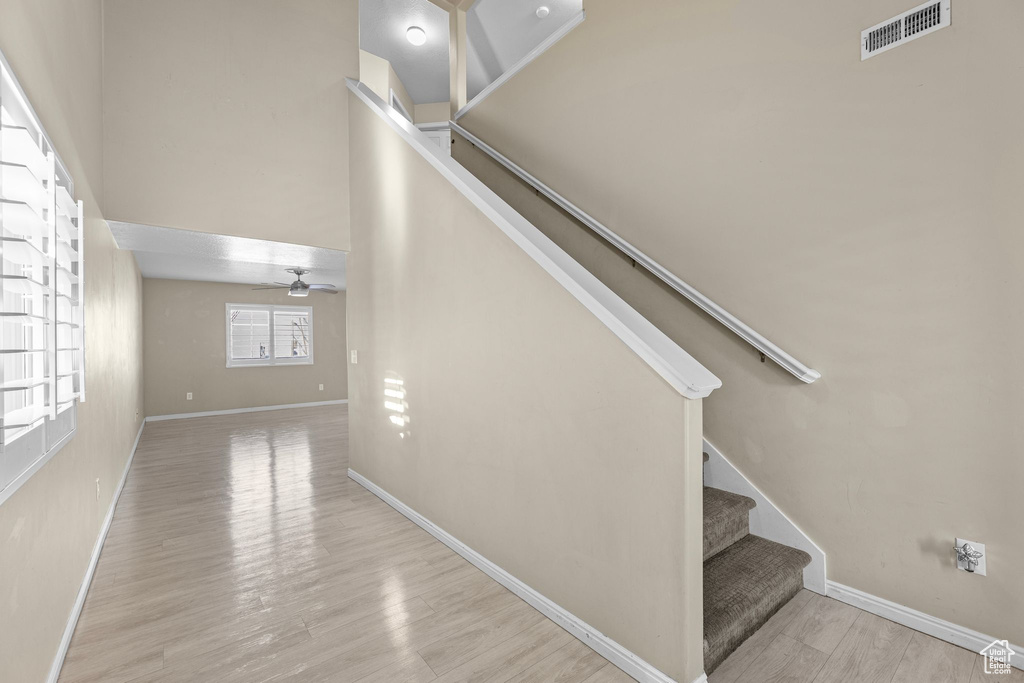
300 288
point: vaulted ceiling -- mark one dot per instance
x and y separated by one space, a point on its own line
499 33
423 69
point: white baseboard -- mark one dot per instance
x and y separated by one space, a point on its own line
919 621
233 411
76 610
600 643
766 520
521 64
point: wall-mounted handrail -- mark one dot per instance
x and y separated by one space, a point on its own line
744 331
663 355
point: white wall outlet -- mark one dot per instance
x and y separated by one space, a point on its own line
188 396
321 387
979 564
355 356
97 488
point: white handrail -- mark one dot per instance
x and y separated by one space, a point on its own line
744 331
681 370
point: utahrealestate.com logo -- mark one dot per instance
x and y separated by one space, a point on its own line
997 657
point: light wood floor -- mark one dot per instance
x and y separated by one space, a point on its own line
814 639
241 551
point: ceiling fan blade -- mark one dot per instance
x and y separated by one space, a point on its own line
322 286
324 291
285 287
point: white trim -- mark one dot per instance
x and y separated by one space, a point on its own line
681 370
26 474
235 411
434 125
766 520
919 621
396 102
543 47
768 348
591 637
76 610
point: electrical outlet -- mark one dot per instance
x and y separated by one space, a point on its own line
321 387
979 565
188 396
355 356
97 488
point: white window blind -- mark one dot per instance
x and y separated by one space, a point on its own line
291 334
269 335
42 354
250 334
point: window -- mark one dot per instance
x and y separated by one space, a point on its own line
269 335
42 340
396 103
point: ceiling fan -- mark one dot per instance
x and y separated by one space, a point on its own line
299 288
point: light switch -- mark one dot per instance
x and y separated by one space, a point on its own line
355 356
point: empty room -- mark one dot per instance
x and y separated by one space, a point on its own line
576 341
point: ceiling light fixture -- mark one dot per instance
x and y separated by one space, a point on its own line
416 35
543 12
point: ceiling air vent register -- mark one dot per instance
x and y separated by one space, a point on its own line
903 28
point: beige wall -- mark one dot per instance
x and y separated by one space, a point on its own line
377 73
866 216
432 112
185 350
230 117
535 436
49 526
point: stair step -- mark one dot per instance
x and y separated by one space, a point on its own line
726 519
744 585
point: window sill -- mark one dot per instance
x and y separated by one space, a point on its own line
281 362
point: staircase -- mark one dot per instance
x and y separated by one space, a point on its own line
746 578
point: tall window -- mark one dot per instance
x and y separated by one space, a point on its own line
42 342
269 335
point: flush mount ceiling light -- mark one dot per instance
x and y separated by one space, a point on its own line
416 35
543 12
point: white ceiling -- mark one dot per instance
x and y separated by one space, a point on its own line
499 33
423 69
185 255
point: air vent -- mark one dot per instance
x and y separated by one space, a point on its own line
905 27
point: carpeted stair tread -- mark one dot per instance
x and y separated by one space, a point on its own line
744 585
726 519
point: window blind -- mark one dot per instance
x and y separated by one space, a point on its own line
291 334
269 335
41 274
250 334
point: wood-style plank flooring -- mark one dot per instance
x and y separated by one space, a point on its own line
814 639
241 551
